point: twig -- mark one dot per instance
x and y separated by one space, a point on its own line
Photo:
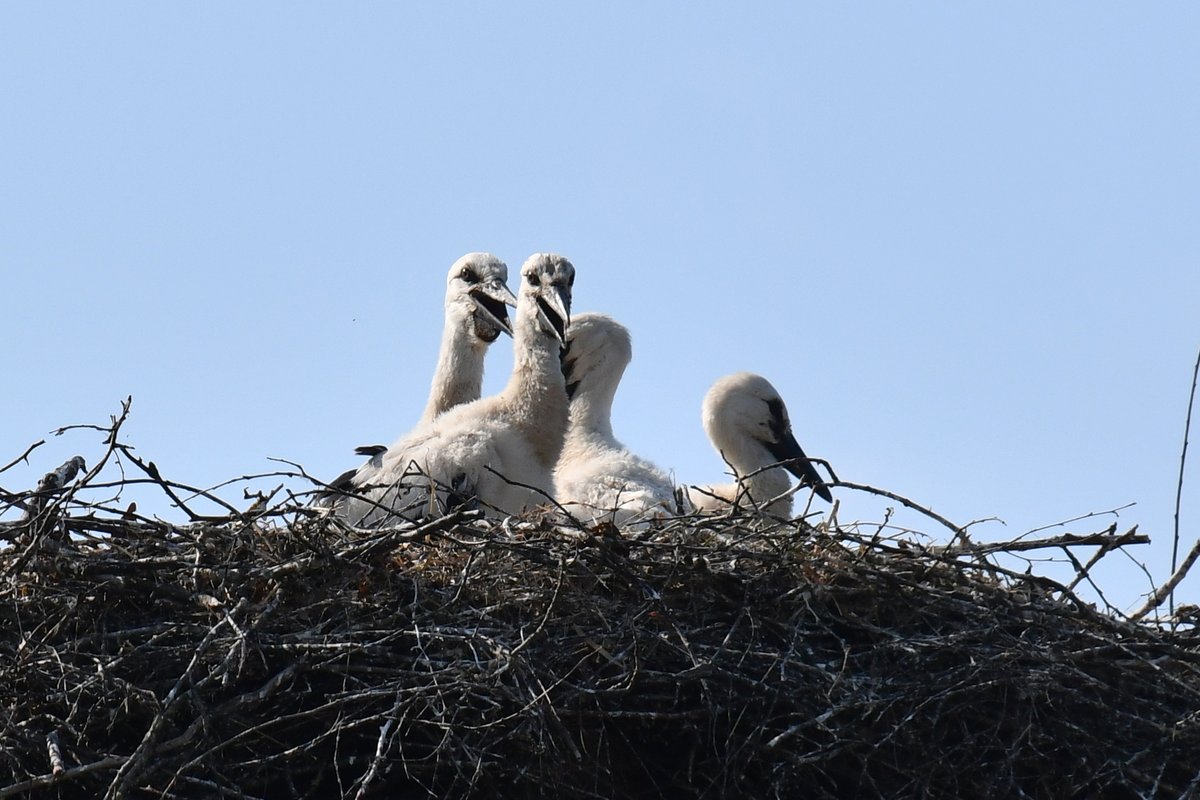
958 530
535 490
1167 588
24 456
1187 426
168 487
389 538
43 781
1125 538
54 751
1112 511
1105 539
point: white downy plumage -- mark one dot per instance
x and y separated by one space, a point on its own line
477 294
597 478
748 424
498 450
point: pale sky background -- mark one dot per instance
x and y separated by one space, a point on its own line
960 238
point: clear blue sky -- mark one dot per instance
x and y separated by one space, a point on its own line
960 238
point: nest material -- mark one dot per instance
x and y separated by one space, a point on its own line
736 657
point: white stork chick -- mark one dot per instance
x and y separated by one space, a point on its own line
500 450
748 424
597 478
477 294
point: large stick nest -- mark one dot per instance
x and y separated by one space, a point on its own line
268 656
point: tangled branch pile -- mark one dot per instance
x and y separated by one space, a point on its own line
268 656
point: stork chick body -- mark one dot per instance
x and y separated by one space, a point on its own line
477 294
499 450
597 478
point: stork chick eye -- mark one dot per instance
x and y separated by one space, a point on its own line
533 279
468 275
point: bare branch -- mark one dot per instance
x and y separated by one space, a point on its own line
959 531
24 456
1106 540
1187 427
1168 588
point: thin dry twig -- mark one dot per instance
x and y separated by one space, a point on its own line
1168 588
1187 427
959 531
1104 539
24 457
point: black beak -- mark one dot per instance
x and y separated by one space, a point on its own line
554 318
493 308
786 450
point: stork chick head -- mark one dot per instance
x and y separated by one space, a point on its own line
477 295
745 418
598 351
546 281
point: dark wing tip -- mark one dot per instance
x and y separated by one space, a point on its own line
341 485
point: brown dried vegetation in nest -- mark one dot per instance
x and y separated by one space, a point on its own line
276 653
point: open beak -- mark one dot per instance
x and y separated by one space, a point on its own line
491 300
554 305
786 450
